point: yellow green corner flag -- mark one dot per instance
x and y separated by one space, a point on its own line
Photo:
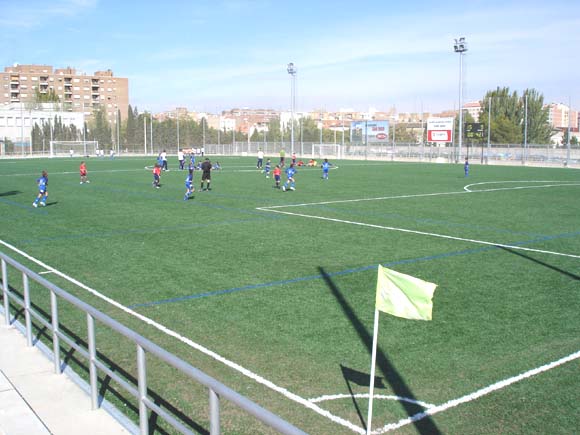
404 295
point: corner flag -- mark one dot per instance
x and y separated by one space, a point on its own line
404 295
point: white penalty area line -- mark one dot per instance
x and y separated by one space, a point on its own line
255 377
423 233
560 184
476 395
421 195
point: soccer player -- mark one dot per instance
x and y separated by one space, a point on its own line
42 190
83 172
164 160
206 174
156 175
189 185
466 167
260 158
277 173
294 158
325 168
267 168
290 172
181 159
282 157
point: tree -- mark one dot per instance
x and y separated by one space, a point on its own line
539 130
100 128
508 116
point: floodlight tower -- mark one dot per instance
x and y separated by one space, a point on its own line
292 71
460 47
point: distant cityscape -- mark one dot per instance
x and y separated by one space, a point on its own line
79 94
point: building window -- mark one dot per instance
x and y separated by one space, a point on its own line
76 80
34 79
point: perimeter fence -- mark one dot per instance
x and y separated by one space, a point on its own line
494 154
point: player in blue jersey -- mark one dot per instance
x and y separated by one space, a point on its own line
325 168
42 190
189 185
267 168
290 182
466 167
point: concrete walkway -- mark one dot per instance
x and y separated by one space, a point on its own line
36 401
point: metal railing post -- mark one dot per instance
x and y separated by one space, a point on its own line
5 293
214 413
142 385
55 338
92 358
27 319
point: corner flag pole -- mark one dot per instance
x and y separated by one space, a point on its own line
373 364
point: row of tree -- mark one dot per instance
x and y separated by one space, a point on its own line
514 119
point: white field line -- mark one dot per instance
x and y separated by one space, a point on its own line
419 195
476 395
423 233
194 345
366 396
561 183
36 174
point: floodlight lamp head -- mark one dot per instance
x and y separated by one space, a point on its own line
460 45
291 68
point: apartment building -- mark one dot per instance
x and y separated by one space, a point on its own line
560 116
474 109
77 92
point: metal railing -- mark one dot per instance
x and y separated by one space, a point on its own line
217 390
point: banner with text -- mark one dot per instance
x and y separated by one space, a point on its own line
440 129
369 131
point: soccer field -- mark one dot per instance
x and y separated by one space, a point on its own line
273 292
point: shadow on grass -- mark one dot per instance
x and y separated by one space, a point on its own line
424 426
549 266
10 193
359 378
106 389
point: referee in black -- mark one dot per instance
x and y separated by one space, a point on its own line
206 174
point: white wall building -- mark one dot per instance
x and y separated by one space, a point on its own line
17 120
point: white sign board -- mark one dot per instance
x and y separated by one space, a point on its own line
440 129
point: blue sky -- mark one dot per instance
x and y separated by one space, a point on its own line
218 54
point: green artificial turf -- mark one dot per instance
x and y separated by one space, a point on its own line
288 292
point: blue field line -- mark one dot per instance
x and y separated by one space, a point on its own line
19 205
430 221
346 271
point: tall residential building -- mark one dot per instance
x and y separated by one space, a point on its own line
560 115
77 92
474 109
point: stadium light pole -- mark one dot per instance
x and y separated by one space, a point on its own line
292 71
569 128
488 130
524 154
177 118
460 47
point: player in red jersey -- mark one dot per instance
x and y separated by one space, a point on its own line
83 172
156 175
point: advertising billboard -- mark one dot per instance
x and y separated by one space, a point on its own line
440 129
369 131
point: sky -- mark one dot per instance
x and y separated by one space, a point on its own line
213 55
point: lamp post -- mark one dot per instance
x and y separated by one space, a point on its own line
292 71
460 47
